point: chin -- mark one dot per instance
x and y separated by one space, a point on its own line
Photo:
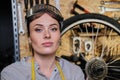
48 52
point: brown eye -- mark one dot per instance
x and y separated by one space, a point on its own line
38 30
54 29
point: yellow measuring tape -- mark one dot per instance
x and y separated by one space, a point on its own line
60 70
57 64
33 69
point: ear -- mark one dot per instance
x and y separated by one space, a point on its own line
29 40
30 45
60 41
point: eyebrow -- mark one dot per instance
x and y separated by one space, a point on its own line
54 24
37 25
43 25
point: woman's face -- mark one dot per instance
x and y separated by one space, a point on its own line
44 35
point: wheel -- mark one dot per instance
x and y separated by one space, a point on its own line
92 41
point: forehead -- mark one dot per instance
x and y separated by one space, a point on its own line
44 19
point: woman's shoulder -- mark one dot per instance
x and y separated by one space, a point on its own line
18 65
68 64
72 70
18 68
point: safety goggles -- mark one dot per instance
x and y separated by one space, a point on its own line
44 7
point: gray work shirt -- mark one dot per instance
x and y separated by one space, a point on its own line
22 71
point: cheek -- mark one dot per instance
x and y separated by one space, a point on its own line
35 39
57 39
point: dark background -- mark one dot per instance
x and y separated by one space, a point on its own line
6 34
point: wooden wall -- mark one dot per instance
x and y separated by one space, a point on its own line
65 7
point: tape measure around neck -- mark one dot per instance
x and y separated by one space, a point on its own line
60 71
33 69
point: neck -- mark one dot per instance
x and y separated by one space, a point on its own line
46 63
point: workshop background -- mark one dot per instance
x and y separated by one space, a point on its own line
65 7
94 68
17 34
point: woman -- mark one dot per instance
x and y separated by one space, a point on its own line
44 23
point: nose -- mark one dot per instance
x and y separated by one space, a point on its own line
47 34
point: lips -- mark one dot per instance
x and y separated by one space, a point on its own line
47 44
